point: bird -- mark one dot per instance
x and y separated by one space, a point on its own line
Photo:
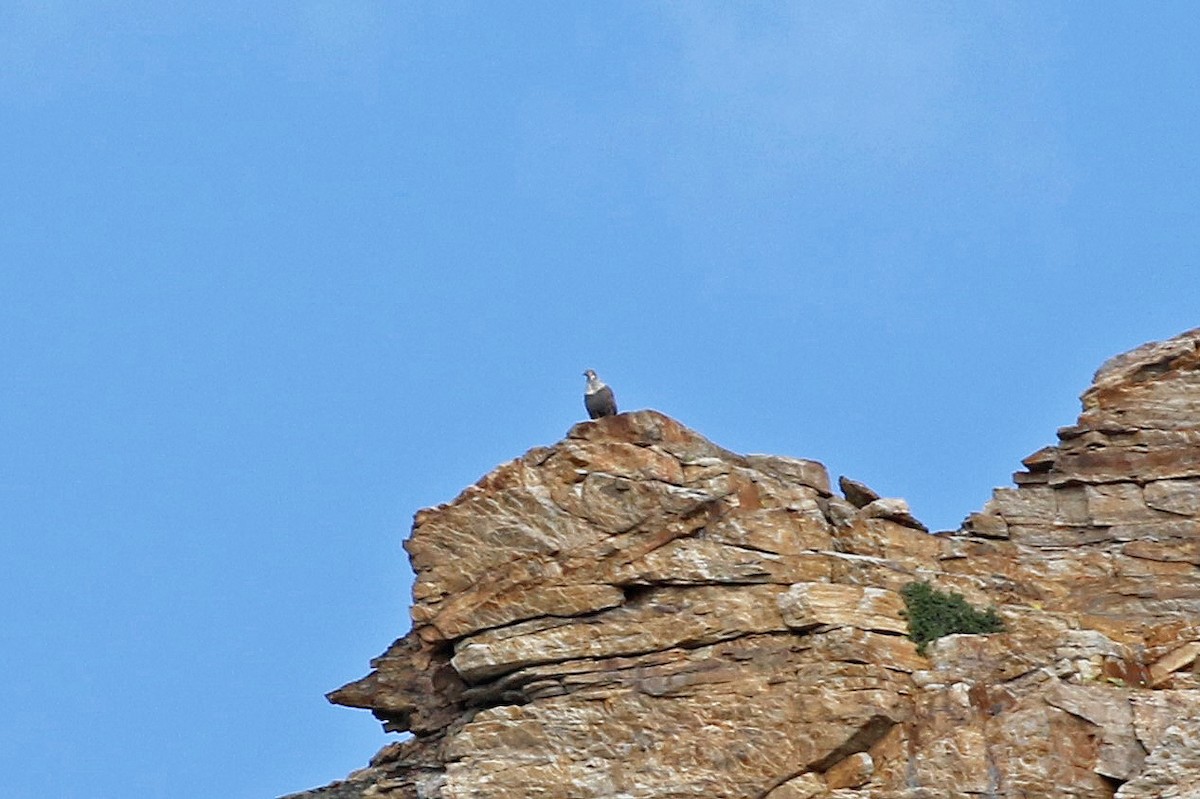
597 397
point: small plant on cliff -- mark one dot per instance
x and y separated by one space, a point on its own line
932 614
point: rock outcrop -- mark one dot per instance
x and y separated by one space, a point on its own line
635 612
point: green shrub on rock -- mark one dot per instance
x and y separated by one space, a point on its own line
932 614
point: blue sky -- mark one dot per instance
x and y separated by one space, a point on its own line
273 277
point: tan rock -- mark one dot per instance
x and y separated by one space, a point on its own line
1039 750
413 688
659 619
494 610
1163 668
1172 769
636 612
808 605
705 561
1115 503
793 470
1168 545
1174 496
779 530
806 786
1120 754
840 512
884 538
895 510
857 494
852 772
954 761
987 524
740 741
1029 505
1154 712
855 645
1042 460
994 658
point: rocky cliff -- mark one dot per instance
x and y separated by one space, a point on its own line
635 612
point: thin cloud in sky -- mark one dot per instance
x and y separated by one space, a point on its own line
932 105
807 114
872 84
805 78
51 46
756 96
42 44
342 41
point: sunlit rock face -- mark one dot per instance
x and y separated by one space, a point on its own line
635 612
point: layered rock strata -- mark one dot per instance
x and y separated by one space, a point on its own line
635 612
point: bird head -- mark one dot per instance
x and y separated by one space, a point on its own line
590 374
